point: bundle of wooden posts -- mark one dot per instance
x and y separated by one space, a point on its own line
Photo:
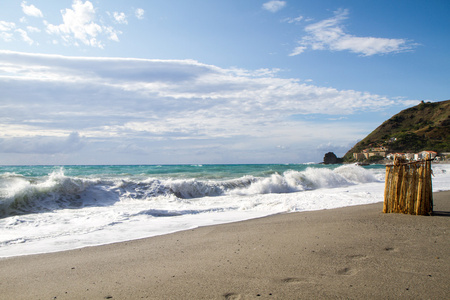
408 188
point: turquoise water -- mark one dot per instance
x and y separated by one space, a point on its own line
228 171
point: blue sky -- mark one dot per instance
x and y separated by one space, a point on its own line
174 81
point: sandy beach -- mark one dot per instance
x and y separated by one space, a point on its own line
353 253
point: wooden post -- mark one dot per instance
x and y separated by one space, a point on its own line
392 189
411 193
428 198
419 200
403 188
408 188
387 190
430 188
426 181
398 187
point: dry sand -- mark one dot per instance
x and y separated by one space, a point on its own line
353 253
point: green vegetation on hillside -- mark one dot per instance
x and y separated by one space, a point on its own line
422 127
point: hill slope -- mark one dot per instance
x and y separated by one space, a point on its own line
422 127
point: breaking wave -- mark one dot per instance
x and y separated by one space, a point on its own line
22 195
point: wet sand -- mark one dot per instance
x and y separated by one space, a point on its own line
353 253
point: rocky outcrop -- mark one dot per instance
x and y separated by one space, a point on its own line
331 158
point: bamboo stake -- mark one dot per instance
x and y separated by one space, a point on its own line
428 207
386 189
426 201
398 187
431 192
408 189
392 189
419 200
426 196
403 189
411 197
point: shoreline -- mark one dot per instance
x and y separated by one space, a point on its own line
350 252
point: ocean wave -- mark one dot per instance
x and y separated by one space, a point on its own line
310 179
20 195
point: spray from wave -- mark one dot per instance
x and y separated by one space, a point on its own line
21 195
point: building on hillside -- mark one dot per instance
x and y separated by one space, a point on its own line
381 151
366 153
359 156
378 149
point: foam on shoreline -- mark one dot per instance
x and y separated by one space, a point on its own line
351 252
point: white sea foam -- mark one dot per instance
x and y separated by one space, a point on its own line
58 212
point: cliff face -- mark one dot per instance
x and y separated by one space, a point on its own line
422 127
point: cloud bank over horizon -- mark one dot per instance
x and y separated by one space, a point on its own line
146 105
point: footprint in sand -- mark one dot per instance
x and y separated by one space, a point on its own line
232 296
357 256
346 271
294 280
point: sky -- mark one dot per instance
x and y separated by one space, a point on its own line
211 82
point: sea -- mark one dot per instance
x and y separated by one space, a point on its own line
54 208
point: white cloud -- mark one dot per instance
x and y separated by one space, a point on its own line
79 26
170 82
7 26
31 10
274 5
6 36
112 33
33 29
293 20
6 31
25 36
139 12
329 34
120 18
166 104
298 50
